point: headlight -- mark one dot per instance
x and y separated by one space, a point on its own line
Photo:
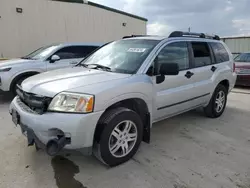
72 102
5 69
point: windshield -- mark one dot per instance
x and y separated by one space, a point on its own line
124 56
41 52
245 57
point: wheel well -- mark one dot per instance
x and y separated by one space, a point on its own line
225 83
135 104
26 74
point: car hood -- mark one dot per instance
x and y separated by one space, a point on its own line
13 62
53 82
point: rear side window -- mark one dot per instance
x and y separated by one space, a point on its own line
202 55
220 52
86 50
74 52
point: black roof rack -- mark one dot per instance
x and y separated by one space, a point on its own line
191 34
131 36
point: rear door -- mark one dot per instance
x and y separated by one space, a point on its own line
70 56
202 69
222 65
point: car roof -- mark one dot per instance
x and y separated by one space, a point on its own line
147 38
79 44
245 52
178 35
160 38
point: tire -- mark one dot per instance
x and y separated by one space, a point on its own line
211 109
17 82
118 118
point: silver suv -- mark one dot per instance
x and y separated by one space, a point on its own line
46 58
106 105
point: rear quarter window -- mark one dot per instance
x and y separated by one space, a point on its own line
220 53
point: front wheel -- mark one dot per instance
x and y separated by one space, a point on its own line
17 82
218 102
121 136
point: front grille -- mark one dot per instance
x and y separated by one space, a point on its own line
36 103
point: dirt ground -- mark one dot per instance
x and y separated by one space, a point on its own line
187 151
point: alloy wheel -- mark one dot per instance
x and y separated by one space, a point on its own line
219 101
123 138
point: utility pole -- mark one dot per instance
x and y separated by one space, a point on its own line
189 29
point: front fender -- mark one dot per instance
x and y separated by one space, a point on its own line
147 99
24 72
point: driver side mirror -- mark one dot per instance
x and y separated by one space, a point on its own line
170 69
54 58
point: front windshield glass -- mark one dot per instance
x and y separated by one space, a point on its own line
245 57
41 52
124 56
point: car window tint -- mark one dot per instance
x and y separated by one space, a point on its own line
248 58
176 52
241 58
86 50
74 52
202 55
220 53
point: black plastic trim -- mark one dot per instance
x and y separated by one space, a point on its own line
163 107
147 128
194 35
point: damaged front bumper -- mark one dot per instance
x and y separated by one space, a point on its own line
55 130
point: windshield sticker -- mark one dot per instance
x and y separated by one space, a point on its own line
137 50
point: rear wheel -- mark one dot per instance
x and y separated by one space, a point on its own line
121 137
218 102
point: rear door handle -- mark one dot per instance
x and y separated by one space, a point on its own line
73 62
189 74
213 68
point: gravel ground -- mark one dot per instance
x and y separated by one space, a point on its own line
187 151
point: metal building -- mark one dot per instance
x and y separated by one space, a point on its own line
238 44
26 25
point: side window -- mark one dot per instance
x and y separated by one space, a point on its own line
202 55
248 58
73 52
176 52
86 50
220 52
67 53
240 58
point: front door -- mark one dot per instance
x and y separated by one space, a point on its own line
175 94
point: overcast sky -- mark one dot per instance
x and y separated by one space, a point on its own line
223 17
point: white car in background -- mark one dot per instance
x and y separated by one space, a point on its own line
15 71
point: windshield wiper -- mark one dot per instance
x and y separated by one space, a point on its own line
98 66
81 65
